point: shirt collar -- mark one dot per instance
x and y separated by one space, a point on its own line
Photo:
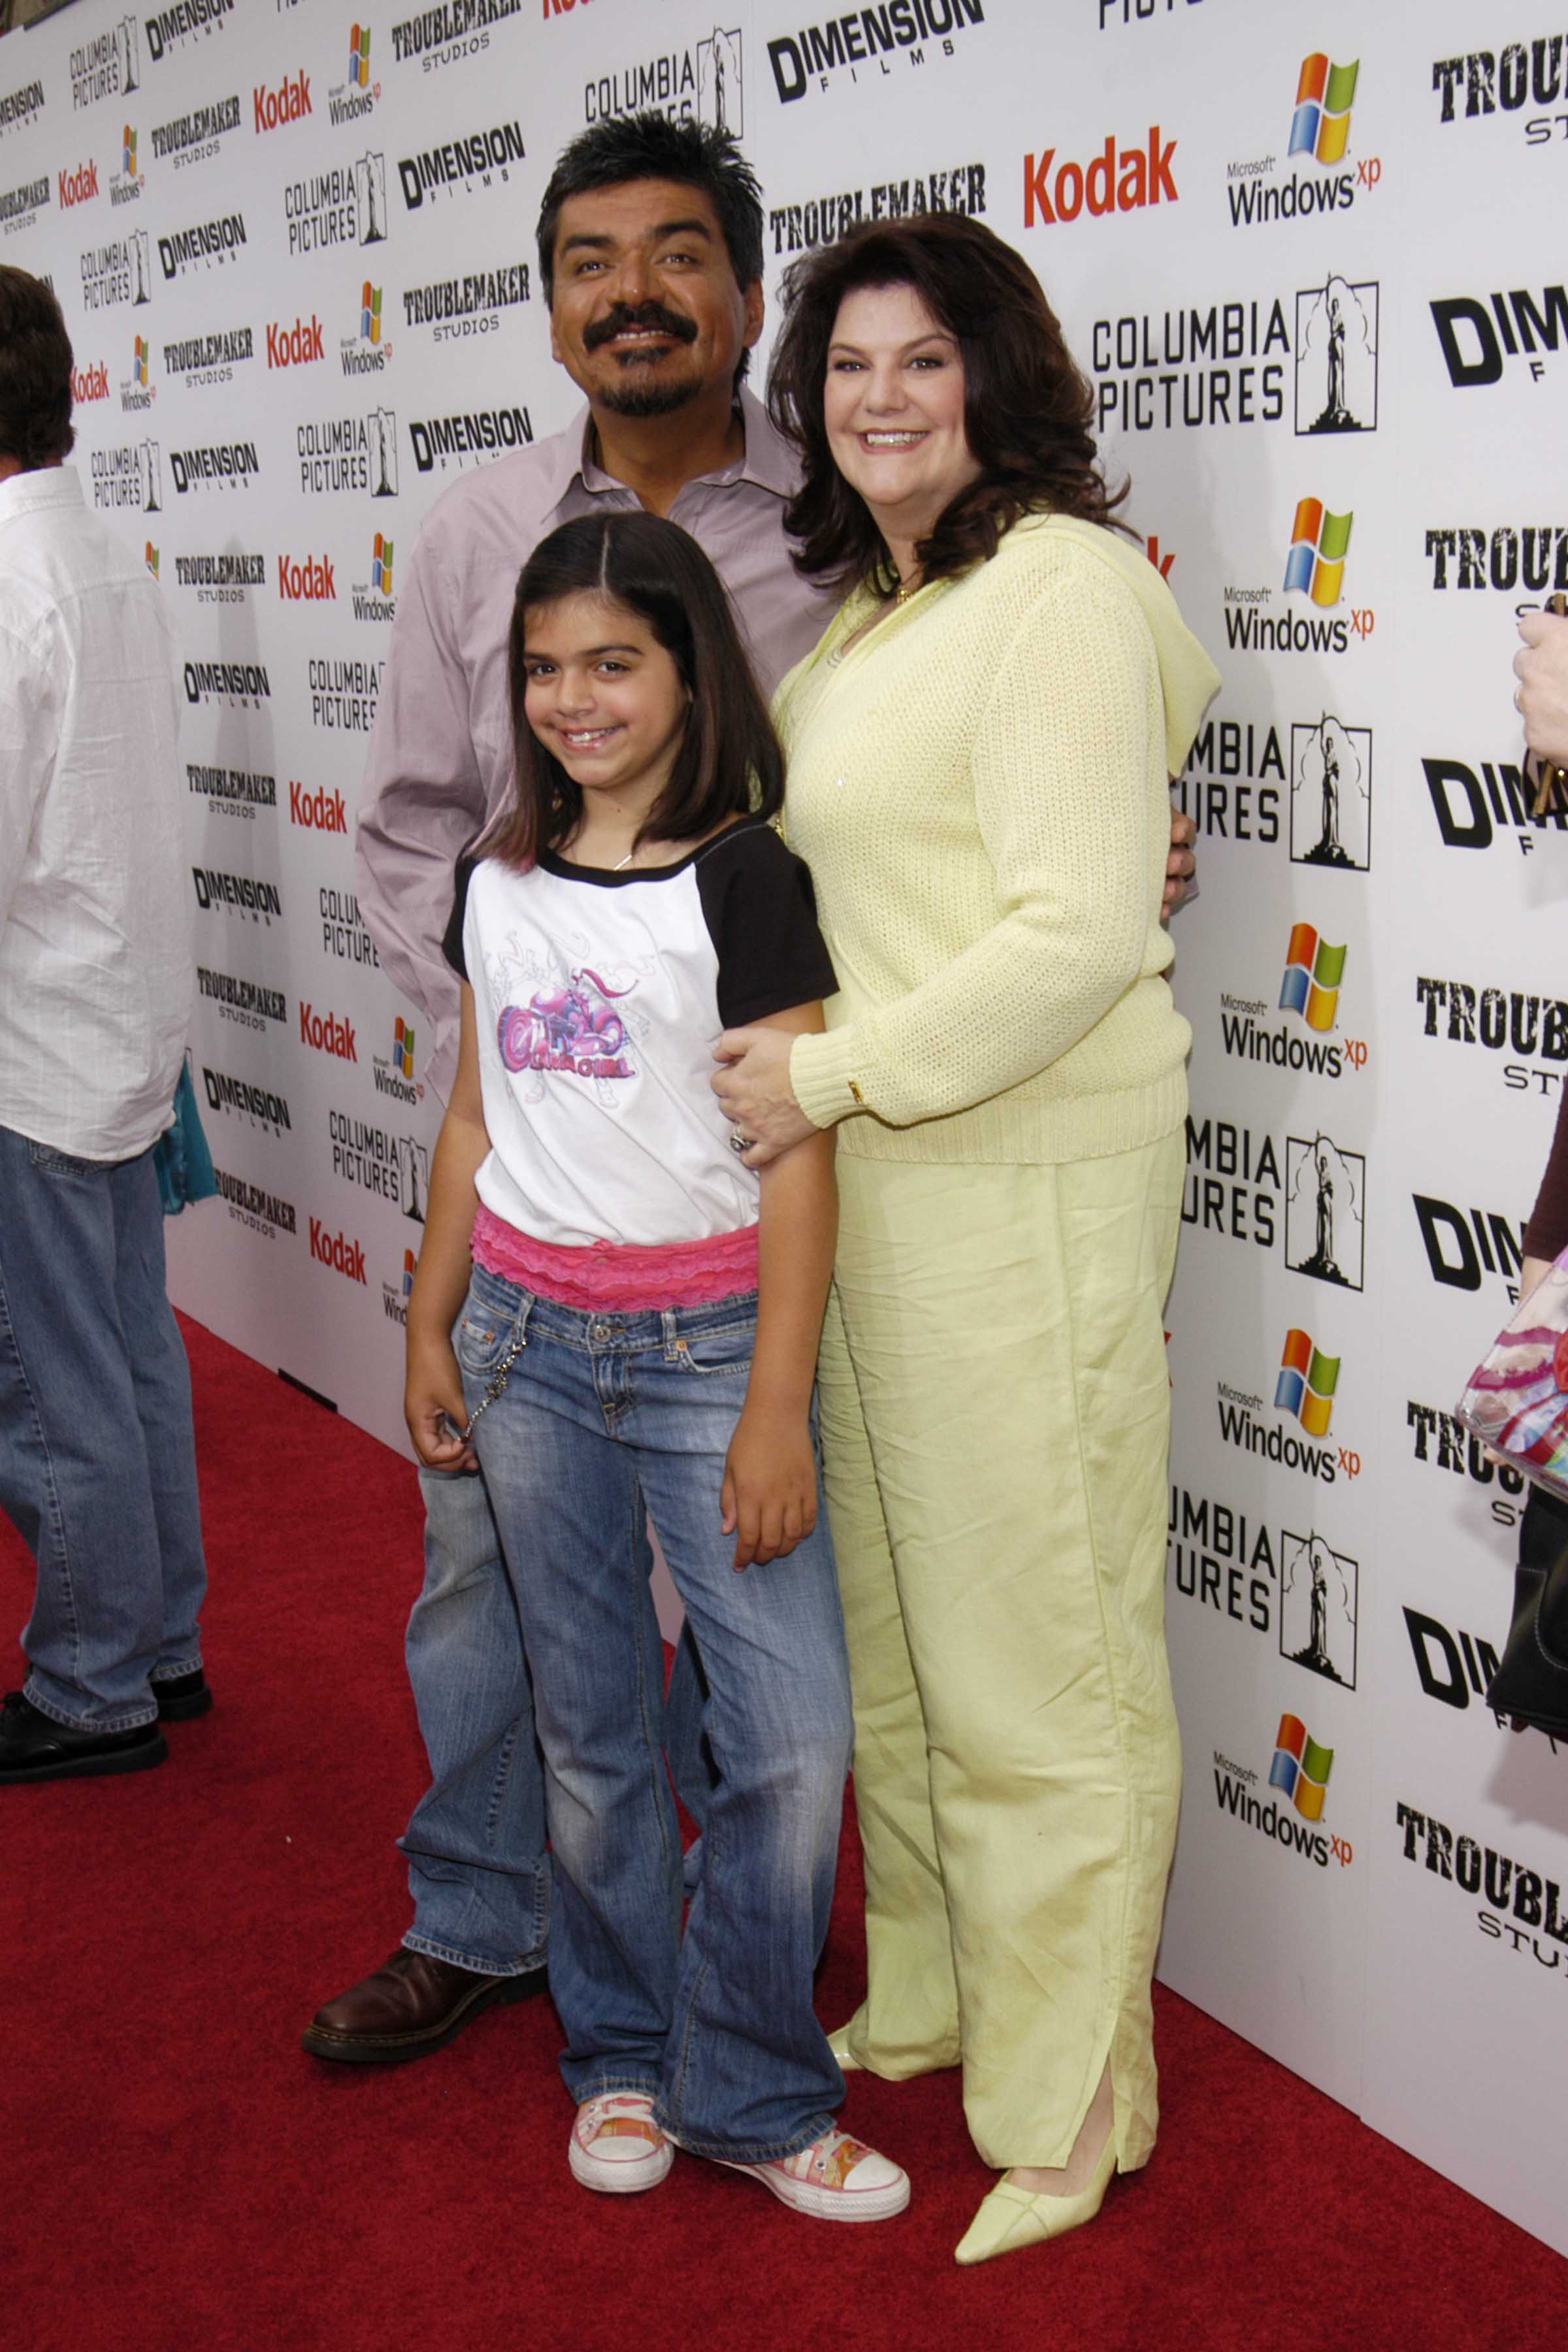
767 460
47 486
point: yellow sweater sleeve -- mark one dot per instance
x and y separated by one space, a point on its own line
1060 770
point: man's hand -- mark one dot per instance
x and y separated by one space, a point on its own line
1181 865
1541 694
768 1500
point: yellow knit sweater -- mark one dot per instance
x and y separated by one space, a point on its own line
980 788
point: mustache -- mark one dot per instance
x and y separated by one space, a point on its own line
646 314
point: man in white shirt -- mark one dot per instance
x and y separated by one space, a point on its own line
97 1455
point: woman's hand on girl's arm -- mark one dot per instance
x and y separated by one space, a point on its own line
433 1387
753 1088
769 1496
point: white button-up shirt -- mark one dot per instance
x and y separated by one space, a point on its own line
95 923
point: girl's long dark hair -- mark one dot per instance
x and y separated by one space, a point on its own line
1028 412
728 760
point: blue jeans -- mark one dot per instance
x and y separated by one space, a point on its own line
604 1422
97 1465
478 1869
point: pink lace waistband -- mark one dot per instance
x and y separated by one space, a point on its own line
620 1273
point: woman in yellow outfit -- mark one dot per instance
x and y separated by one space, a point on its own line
979 754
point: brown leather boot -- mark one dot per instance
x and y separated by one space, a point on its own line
408 2007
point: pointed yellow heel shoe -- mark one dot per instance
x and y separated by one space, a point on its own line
1012 2217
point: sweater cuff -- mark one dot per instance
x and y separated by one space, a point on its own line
820 1069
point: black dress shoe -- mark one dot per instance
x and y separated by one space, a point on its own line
33 1747
408 2007
182 1696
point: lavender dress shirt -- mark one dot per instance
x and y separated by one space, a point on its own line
440 757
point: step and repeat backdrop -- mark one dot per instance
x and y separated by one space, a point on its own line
1312 259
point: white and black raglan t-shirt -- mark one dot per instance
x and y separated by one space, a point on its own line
599 997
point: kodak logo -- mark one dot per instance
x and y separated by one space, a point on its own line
309 583
1118 180
292 346
337 1251
288 104
89 383
329 1033
77 186
321 810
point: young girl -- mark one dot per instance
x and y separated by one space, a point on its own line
638 1339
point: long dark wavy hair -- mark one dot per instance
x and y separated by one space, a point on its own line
728 761
1028 412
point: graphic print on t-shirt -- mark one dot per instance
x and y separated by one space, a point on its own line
573 1028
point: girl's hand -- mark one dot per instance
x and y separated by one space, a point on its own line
754 1090
434 1409
768 1500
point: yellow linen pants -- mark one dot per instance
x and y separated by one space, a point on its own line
996 1415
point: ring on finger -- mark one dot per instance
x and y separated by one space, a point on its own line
739 1142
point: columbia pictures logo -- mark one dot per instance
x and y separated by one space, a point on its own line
370 199
721 101
1325 1211
1330 795
1336 357
1320 1601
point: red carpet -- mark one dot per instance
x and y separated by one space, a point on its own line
177 2174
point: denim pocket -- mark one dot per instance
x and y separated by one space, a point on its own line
716 1353
50 1162
480 1339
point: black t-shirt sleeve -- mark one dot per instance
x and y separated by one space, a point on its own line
452 938
761 912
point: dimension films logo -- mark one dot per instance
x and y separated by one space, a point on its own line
1461 1244
239 1097
231 791
350 453
475 160
251 1204
222 577
1533 1029
346 205
109 65
397 1167
1449 1668
822 220
1484 82
129 476
478 434
1473 348
172 27
439 36
207 243
1533 556
120 271
1309 1201
1319 140
18 107
1299 1769
219 465
196 137
1296 1587
469 305
1444 1444
236 892
869 41
244 1001
1226 363
209 358
1310 987
700 84
238 685
1519 1902
1473 810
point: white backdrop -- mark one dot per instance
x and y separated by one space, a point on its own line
295 253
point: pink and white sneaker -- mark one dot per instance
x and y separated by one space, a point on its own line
615 2144
836 2179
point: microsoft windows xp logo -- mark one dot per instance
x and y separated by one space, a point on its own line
149 556
1300 1767
1307 1382
1319 543
403 1060
370 313
1309 983
139 366
1324 96
128 152
359 59
407 1272
381 579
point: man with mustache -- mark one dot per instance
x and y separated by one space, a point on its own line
650 250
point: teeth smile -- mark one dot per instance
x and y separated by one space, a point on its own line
891 440
583 738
